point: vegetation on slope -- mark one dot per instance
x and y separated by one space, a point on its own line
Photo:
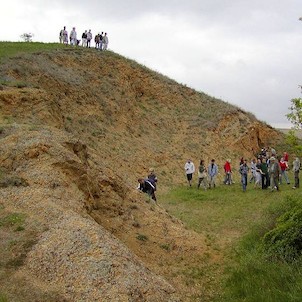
129 118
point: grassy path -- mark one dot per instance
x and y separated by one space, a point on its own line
224 215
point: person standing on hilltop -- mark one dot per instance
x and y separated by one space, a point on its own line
61 36
189 169
84 38
65 35
105 42
243 170
89 38
73 37
97 41
101 41
212 172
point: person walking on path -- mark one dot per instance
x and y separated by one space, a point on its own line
212 172
189 169
296 169
202 175
243 170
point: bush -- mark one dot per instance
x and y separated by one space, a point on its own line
284 241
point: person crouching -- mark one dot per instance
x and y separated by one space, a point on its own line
147 187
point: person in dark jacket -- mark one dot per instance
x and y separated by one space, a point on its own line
146 186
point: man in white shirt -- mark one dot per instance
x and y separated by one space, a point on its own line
189 169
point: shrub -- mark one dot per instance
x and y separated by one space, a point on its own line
284 241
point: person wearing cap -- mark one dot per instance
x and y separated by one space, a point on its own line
189 169
274 172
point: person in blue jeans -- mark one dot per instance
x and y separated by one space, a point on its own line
244 169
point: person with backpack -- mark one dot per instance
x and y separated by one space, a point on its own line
202 175
146 186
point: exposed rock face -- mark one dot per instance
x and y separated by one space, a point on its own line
73 141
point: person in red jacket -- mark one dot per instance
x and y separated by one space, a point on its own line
228 172
284 166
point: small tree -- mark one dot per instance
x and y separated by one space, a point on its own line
27 37
295 116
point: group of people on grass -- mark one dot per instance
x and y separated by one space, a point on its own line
267 170
101 39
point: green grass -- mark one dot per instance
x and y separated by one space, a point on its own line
234 224
8 49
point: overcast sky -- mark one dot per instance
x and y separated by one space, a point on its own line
247 53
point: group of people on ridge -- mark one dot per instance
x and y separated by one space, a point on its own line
267 170
101 39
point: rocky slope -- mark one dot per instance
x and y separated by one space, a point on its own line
78 127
